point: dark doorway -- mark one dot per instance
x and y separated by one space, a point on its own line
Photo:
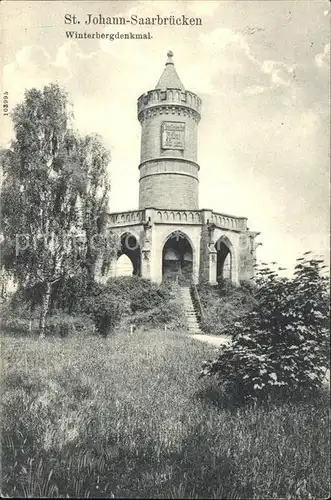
224 261
177 259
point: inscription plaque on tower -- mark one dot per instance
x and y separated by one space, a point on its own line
173 135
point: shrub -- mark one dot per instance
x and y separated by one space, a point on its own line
62 324
17 325
119 299
281 346
224 304
68 294
102 306
142 294
18 318
170 313
107 308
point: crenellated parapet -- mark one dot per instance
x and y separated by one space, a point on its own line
171 101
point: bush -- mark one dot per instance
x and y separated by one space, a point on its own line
142 294
282 345
17 318
62 324
121 298
170 313
101 306
18 325
224 304
105 307
68 294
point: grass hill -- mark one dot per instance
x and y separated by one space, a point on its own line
126 417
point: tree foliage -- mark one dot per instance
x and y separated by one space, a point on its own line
282 345
55 195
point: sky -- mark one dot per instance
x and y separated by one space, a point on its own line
262 70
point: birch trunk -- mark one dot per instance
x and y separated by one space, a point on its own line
44 310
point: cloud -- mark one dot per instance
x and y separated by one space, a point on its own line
322 59
204 8
233 67
254 90
280 73
32 60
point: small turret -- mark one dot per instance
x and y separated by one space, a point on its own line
169 78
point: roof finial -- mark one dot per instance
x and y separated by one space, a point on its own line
170 56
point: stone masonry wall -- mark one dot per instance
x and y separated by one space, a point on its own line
151 135
170 191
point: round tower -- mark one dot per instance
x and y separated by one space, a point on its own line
169 117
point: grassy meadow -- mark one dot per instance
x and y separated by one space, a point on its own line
127 416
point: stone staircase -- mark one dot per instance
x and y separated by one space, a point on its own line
190 313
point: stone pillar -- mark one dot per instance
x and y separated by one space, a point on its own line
212 254
234 266
145 263
212 266
146 250
247 255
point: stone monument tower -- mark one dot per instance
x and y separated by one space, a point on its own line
169 237
169 117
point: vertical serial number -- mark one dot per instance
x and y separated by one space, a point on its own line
5 103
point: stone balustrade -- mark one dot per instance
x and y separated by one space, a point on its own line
133 217
182 216
229 221
177 216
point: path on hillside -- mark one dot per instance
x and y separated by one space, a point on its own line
189 310
193 322
216 340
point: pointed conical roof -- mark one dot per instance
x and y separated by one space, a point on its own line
169 78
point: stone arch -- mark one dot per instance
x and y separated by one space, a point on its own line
124 266
178 257
129 246
226 264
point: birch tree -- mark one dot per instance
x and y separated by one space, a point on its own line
55 195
